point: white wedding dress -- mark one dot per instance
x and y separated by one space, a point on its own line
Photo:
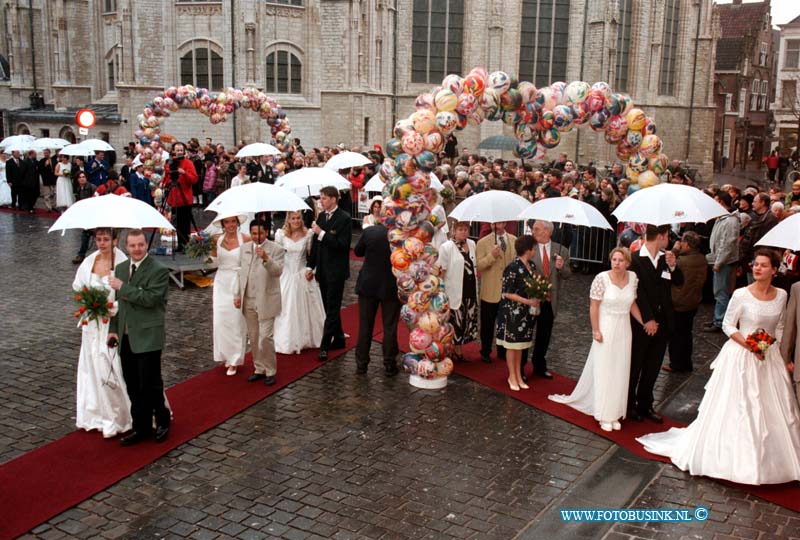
102 398
747 428
64 196
230 330
5 189
300 324
602 390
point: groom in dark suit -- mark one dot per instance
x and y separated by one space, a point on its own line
141 283
330 261
376 287
657 272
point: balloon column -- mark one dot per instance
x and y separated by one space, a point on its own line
215 105
539 117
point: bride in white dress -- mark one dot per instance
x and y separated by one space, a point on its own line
64 196
602 390
5 189
747 428
300 324
102 398
230 331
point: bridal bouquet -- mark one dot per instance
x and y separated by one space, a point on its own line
93 305
538 287
200 246
759 341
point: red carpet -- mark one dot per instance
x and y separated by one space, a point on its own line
44 482
38 212
495 376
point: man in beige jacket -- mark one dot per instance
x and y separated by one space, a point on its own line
258 295
494 252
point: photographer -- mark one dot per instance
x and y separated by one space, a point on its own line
179 177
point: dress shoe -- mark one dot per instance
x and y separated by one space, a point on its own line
390 371
132 438
654 416
323 355
161 433
634 415
486 359
255 376
544 375
231 371
338 344
712 329
269 380
361 370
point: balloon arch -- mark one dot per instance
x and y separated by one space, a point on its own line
539 117
215 105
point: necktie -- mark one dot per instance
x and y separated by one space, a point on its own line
503 242
545 262
133 271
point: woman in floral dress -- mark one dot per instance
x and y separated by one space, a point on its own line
515 322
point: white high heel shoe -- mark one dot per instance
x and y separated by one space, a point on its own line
616 425
606 426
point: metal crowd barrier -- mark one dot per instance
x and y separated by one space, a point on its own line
592 245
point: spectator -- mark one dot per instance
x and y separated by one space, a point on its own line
685 299
763 220
261 170
723 258
777 208
772 161
138 185
126 171
97 168
494 252
84 191
30 182
181 175
210 180
450 146
47 172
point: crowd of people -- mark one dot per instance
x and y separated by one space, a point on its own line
282 290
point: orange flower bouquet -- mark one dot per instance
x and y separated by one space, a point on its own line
758 342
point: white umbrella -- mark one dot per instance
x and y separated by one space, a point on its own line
666 204
566 210
96 145
309 180
376 183
16 139
490 207
22 147
785 234
346 160
110 211
256 197
75 150
257 149
48 143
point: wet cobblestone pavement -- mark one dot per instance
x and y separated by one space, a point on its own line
338 456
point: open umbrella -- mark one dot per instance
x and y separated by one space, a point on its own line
110 211
376 183
565 210
498 142
48 143
490 207
257 149
256 197
96 145
785 234
346 160
666 204
17 139
23 147
75 150
309 180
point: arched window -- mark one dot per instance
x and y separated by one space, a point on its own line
5 69
23 129
437 39
67 133
284 73
202 67
543 41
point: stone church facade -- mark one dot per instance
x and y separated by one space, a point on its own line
344 70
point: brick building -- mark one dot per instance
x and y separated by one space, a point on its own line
344 70
786 106
742 85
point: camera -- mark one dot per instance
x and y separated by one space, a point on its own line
172 165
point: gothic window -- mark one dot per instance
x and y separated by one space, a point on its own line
284 73
623 44
111 76
437 40
543 41
109 6
669 47
202 67
5 69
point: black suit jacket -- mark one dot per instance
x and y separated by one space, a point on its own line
375 280
654 293
14 171
330 257
47 170
29 174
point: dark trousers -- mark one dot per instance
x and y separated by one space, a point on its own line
488 318
544 329
86 237
15 198
332 333
390 314
183 217
680 341
647 354
142 373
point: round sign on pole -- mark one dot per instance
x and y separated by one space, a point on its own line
85 118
